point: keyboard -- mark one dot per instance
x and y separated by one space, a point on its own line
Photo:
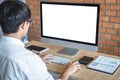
60 60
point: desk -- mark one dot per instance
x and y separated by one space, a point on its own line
85 73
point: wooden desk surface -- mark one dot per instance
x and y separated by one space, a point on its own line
85 73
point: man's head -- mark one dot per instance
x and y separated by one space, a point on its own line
13 15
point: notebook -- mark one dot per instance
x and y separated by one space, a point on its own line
105 64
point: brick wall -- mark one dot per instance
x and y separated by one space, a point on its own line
109 28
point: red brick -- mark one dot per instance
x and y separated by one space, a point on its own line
105 36
105 6
104 18
38 2
31 31
78 0
59 0
100 23
100 48
102 30
119 54
37 21
99 1
111 13
107 24
33 21
102 12
117 38
88 1
119 32
115 7
115 19
118 13
32 2
37 7
118 1
36 39
107 48
102 51
37 33
34 12
36 27
111 1
117 49
112 43
119 43
111 31
69 0
32 7
36 17
117 26
103 41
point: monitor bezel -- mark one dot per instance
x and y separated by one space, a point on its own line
74 4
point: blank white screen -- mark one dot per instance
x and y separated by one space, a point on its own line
70 22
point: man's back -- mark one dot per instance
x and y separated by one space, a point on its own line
17 63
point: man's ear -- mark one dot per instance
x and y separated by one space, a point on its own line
23 25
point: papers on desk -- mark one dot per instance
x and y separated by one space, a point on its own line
105 64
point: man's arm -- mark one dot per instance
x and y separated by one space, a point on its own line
70 68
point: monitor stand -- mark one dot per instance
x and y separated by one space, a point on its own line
68 51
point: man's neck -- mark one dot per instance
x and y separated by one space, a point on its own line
14 35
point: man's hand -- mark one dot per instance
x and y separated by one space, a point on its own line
70 68
46 58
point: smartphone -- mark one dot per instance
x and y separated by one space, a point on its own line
85 60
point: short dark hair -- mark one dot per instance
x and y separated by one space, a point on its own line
12 14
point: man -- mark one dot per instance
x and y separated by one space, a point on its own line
16 62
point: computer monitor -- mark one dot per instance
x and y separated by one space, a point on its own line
71 22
